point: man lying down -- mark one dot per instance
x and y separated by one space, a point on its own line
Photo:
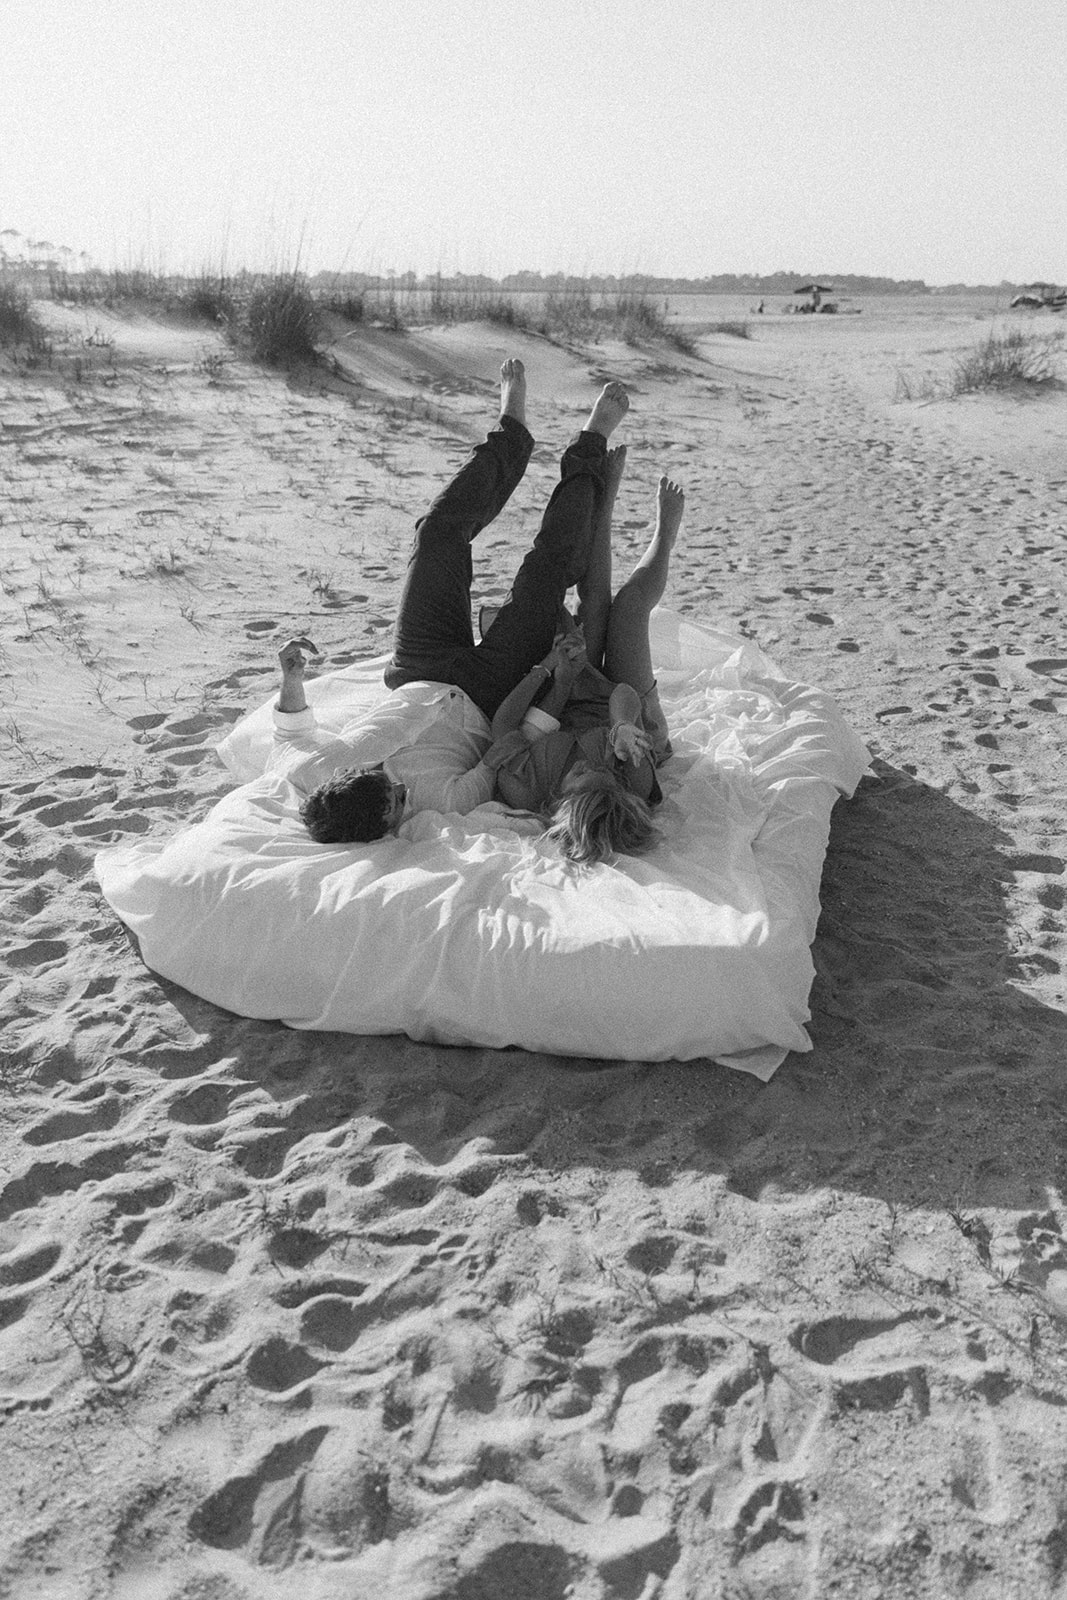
543 713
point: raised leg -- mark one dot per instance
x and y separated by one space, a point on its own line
525 626
627 657
434 615
594 587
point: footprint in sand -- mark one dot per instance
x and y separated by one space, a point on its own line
29 1265
186 757
773 1511
201 1106
51 1179
72 1124
294 1295
335 1323
278 1367
835 1339
12 1310
38 953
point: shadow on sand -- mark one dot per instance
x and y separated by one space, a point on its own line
935 1078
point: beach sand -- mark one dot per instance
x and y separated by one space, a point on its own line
288 1314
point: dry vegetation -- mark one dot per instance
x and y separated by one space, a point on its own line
1011 361
277 317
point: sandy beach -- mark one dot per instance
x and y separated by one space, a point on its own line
294 1314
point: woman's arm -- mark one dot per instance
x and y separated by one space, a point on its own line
510 712
562 664
629 741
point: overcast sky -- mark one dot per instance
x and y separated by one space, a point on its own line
905 138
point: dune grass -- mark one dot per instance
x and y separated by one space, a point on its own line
20 328
277 318
736 330
1012 362
281 322
273 316
476 305
1007 361
572 315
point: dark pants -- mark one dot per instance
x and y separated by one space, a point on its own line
434 638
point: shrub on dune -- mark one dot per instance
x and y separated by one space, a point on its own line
281 322
638 320
350 306
209 299
473 305
1006 361
18 324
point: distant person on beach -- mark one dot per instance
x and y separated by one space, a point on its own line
587 752
421 749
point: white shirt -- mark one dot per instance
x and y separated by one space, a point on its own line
430 737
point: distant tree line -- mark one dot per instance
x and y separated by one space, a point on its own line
633 283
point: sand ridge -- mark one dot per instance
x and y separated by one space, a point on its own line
358 1315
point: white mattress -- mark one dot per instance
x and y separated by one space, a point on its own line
472 930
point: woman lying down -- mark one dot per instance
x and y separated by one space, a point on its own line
581 736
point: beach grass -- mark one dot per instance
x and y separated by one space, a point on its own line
1012 362
277 317
1007 361
736 330
281 321
20 328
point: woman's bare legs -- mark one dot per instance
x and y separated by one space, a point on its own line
627 657
594 589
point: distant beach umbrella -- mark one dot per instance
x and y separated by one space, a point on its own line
815 288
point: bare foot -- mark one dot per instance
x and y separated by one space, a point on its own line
670 503
611 406
615 466
513 390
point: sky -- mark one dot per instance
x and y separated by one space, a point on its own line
676 138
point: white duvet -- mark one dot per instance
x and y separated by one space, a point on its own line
472 930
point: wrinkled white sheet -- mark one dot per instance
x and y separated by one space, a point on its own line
471 930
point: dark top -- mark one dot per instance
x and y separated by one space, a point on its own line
529 776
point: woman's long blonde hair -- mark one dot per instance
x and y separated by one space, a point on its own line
597 818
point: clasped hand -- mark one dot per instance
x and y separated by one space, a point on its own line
567 657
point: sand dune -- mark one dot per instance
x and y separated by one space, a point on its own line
322 1315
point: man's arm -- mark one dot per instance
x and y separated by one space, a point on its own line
302 752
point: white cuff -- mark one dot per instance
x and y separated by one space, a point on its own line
293 721
537 722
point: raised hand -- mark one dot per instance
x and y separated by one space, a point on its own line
629 742
291 656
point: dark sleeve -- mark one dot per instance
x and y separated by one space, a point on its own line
502 750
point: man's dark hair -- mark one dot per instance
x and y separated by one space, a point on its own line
352 808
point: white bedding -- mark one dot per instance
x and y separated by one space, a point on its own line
472 930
